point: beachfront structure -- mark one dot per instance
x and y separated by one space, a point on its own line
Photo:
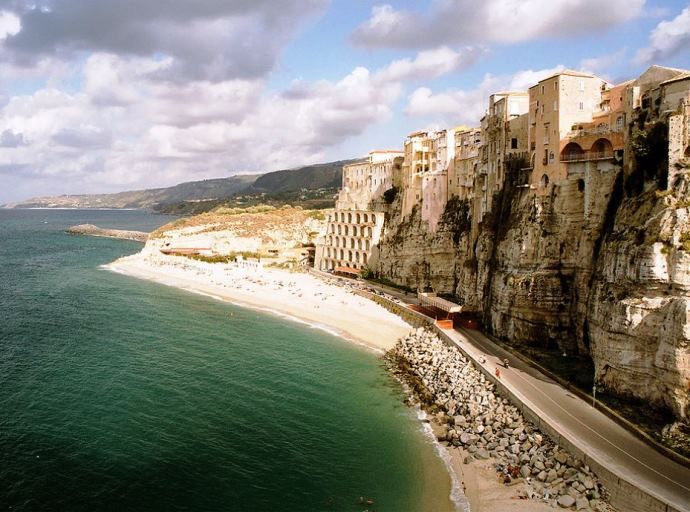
353 227
350 237
369 178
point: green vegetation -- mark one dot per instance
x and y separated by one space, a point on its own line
384 281
261 208
319 199
685 241
225 258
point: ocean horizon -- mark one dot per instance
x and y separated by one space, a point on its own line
121 394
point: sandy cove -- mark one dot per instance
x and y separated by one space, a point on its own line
296 294
331 306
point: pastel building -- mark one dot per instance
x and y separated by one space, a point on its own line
557 105
353 229
662 94
369 178
417 162
499 142
349 239
462 172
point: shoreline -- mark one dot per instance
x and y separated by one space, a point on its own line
358 320
294 296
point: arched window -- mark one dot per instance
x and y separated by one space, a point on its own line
357 218
349 218
602 147
544 182
572 151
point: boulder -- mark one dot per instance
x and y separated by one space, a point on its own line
566 501
582 504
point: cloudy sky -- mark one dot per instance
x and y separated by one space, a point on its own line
109 95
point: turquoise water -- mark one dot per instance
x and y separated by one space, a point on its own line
120 394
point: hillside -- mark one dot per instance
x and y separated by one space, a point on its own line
193 195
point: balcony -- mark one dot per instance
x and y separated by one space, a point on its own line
587 156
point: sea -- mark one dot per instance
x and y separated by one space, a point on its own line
118 394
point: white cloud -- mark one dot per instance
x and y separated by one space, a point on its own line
667 39
206 39
9 24
601 63
505 21
142 132
469 105
431 64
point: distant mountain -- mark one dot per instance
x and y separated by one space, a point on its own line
312 177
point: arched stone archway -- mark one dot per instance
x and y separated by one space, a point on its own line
602 147
572 151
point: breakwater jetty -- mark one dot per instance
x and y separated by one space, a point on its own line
471 415
92 230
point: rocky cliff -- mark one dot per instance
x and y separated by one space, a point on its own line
595 265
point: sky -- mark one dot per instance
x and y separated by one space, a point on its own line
101 96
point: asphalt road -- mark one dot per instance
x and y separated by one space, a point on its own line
600 437
596 434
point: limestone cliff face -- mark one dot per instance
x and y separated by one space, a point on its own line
412 255
639 306
586 267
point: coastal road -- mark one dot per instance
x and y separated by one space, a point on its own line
601 438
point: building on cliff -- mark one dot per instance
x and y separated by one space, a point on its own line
505 136
354 228
557 105
369 178
562 221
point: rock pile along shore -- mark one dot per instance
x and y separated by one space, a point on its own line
473 417
91 230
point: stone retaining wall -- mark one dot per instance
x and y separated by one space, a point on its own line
624 495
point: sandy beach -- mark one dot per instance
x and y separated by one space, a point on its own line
313 300
294 294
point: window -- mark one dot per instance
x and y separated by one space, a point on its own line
542 89
619 123
513 143
582 106
555 85
582 85
542 110
555 105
